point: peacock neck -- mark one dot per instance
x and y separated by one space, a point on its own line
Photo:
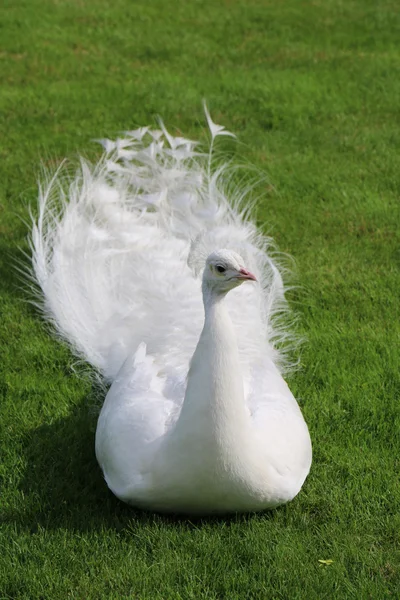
214 408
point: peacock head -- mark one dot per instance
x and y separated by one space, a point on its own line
224 271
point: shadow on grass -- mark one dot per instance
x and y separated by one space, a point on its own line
63 486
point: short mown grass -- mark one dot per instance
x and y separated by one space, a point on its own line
312 90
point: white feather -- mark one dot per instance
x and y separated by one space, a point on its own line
114 245
117 251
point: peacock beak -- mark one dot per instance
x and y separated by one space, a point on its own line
244 274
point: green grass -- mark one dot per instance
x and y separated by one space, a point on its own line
312 90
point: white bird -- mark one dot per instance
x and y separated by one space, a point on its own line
198 418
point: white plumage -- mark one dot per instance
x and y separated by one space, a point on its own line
198 418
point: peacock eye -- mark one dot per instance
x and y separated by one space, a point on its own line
220 269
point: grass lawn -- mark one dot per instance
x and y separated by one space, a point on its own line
312 90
